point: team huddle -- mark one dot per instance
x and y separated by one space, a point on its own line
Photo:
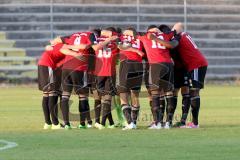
166 59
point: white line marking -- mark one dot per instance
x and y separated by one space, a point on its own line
8 145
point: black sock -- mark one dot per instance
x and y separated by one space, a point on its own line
195 104
83 108
65 110
106 109
150 104
88 115
156 108
135 113
170 108
110 118
53 109
46 110
97 108
185 107
127 112
162 108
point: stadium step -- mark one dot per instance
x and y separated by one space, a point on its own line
26 43
221 51
5 52
6 43
18 68
2 35
224 69
5 61
45 34
223 60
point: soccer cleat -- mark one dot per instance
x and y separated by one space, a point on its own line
68 127
56 127
168 125
159 126
179 125
99 126
111 126
47 126
129 127
153 126
89 126
192 125
81 126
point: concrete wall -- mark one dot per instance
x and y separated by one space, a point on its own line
214 24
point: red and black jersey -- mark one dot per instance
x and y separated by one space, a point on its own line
157 53
53 57
105 62
73 63
190 54
134 43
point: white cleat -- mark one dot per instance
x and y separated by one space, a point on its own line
99 126
89 126
56 127
153 126
129 127
167 125
47 126
159 126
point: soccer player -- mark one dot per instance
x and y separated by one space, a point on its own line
49 81
130 75
74 75
160 72
196 64
105 70
181 80
92 81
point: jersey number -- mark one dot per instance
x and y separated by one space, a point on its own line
77 41
158 45
105 53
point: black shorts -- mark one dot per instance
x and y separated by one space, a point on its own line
106 85
130 76
49 80
76 80
181 78
92 82
197 77
161 77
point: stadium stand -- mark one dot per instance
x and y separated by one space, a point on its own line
14 64
214 24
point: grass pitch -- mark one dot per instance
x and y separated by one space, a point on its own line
218 138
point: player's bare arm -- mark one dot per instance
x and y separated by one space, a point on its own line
78 47
96 47
131 49
168 44
67 51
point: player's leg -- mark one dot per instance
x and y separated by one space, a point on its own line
43 85
53 97
185 104
123 91
106 110
97 106
162 106
167 84
154 78
79 79
67 86
135 106
197 83
46 111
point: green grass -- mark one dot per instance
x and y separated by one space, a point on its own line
21 121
